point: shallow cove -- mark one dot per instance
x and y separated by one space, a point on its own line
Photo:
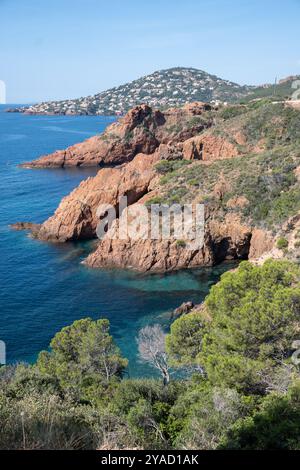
43 287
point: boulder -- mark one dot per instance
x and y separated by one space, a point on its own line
184 308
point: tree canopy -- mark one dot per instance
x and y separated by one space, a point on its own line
82 354
254 317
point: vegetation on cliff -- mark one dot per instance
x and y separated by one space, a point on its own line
240 161
239 388
260 184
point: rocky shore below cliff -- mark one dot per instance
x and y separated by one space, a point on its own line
240 162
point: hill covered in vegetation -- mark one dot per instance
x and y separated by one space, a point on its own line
282 89
161 89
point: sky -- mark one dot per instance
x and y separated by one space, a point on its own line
71 48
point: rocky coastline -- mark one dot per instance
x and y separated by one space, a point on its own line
147 156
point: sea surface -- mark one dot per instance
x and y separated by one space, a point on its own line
43 286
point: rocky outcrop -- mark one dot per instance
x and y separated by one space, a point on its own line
183 138
227 240
294 104
141 130
146 255
120 142
209 147
237 202
33 228
221 188
261 242
183 309
76 217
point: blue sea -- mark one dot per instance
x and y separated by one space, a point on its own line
43 286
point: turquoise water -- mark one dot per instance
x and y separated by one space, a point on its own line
43 287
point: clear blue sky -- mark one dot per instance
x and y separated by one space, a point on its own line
69 48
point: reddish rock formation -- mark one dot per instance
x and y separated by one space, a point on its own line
146 255
120 142
237 201
261 242
183 309
221 187
76 218
136 143
294 104
209 147
140 131
227 240
34 228
24 226
169 152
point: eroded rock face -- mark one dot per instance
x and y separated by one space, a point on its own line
118 144
183 309
209 147
146 255
261 242
141 130
294 104
137 142
228 240
76 218
33 228
221 187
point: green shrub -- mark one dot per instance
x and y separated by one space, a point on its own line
154 200
170 166
204 414
196 121
181 243
230 112
276 425
282 243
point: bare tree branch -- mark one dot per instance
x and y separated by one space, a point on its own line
151 345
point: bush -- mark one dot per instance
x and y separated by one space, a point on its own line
145 405
276 425
282 243
203 415
168 166
181 243
232 111
34 414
